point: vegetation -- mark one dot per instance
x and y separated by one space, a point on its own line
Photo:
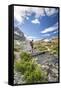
30 69
40 47
28 65
53 46
18 47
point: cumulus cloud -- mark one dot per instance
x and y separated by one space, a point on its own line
50 29
27 18
46 40
30 37
35 21
50 11
38 12
21 12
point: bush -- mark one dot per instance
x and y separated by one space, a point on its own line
19 66
25 56
31 70
35 76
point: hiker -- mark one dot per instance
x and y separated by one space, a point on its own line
31 44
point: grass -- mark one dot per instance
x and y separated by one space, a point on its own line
30 69
40 47
53 46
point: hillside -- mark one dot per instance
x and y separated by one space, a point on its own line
51 46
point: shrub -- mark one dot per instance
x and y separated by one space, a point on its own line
25 56
31 70
19 66
35 76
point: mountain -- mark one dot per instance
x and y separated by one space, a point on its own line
18 34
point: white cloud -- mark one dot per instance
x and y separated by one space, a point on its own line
46 35
21 12
38 12
50 11
35 21
50 29
43 11
27 18
55 32
31 37
46 40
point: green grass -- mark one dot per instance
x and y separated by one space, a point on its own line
52 46
54 49
31 70
40 47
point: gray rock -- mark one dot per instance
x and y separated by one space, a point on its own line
18 34
18 78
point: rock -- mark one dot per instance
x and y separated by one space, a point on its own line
18 34
18 78
52 72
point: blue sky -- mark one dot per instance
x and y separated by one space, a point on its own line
37 23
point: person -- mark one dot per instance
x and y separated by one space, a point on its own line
31 44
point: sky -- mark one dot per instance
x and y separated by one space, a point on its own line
37 23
